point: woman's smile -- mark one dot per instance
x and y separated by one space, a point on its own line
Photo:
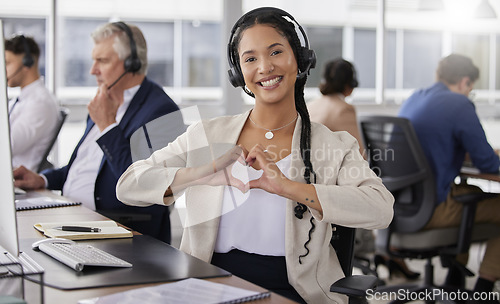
270 82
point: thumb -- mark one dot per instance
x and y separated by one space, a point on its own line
18 172
255 183
240 185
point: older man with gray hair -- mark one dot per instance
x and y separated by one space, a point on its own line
126 100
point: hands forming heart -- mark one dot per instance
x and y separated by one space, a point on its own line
272 179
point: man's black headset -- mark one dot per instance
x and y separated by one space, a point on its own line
28 60
132 63
234 72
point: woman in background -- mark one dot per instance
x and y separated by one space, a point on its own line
337 82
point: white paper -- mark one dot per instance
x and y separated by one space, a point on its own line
188 291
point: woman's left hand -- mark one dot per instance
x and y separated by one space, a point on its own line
272 179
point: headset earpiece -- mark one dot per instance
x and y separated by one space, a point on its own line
28 60
309 62
235 77
132 63
234 73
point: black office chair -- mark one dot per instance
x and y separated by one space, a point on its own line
395 154
354 286
45 163
156 134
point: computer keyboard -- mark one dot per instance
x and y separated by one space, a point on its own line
77 256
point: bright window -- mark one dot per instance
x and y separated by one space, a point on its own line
327 44
201 49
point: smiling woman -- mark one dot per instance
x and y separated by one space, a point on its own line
268 65
257 201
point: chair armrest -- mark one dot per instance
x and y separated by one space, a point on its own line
354 286
469 202
473 198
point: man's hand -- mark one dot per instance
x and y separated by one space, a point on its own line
27 180
102 109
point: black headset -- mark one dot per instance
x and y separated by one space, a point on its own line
132 63
234 72
28 60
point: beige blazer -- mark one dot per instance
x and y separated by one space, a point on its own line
348 191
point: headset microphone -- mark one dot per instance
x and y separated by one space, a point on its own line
15 73
118 79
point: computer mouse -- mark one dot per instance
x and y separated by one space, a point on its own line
36 245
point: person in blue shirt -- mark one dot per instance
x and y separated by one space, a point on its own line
448 129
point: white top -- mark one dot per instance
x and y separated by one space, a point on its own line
253 222
80 183
33 119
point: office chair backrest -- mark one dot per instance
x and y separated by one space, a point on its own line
45 163
343 243
156 134
395 155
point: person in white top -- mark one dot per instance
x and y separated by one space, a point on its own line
33 115
338 81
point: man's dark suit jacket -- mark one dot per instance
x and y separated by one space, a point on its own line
149 103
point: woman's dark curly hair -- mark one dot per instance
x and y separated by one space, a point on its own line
286 27
337 74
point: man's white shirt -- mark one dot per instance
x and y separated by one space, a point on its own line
80 183
33 118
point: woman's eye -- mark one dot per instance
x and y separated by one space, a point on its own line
276 52
250 59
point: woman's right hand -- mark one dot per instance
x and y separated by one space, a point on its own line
221 174
215 173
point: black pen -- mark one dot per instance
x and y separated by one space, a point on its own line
78 229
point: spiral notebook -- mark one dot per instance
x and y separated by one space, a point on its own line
42 202
188 291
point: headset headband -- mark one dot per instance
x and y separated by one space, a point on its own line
28 60
132 63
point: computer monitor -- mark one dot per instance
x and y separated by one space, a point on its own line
8 222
